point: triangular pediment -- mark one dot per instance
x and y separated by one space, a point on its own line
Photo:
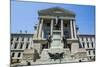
56 11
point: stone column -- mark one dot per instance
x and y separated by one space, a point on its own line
37 30
42 34
74 29
40 28
71 28
61 28
51 27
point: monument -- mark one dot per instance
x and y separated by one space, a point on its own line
55 39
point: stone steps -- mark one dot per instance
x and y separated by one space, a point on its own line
45 59
54 62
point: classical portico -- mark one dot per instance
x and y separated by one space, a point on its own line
56 24
56 34
53 25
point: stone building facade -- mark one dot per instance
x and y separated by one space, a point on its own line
55 40
88 42
19 42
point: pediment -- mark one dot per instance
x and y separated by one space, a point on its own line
56 11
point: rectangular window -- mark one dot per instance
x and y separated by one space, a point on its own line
86 38
94 52
11 39
15 45
90 57
45 46
17 39
92 44
19 54
65 24
66 33
83 45
22 38
27 45
48 24
21 45
89 52
13 54
88 44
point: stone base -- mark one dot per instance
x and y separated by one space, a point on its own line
49 61
45 58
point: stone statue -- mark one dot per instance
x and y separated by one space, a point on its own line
36 55
56 56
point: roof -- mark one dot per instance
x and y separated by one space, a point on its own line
86 35
22 34
31 34
56 11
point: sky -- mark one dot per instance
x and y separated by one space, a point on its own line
24 15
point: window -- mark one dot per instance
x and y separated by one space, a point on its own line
89 52
46 33
65 25
92 44
94 52
22 38
17 39
28 39
13 54
15 45
48 24
83 45
90 57
11 39
66 33
19 54
17 60
45 46
59 20
21 45
88 44
27 45
86 38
